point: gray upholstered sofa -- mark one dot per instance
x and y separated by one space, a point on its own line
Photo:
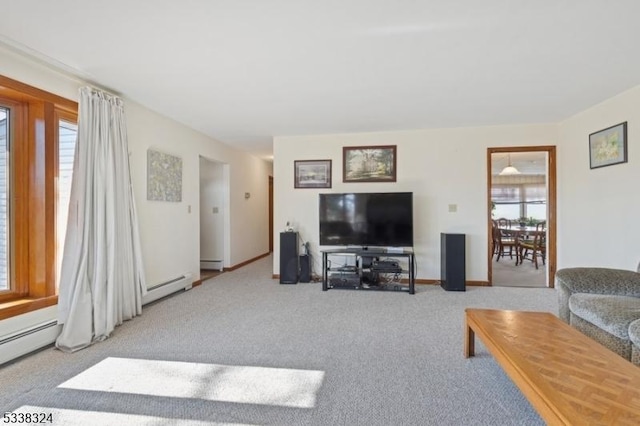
604 304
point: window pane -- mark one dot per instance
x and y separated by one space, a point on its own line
508 211
4 196
507 201
506 193
536 201
537 211
520 200
67 132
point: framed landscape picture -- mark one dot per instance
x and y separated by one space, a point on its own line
312 173
608 146
369 163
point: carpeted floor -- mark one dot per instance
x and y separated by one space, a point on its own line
506 273
242 349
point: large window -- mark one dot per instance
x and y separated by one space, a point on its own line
513 201
37 137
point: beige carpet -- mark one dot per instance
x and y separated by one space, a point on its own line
242 349
507 274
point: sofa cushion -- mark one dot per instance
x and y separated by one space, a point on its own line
613 314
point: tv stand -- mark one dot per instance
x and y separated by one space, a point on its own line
373 269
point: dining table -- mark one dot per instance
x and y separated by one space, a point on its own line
519 233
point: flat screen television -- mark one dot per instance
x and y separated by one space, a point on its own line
382 219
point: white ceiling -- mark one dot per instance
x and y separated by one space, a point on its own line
243 71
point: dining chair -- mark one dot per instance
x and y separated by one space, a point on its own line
504 222
507 243
537 248
494 237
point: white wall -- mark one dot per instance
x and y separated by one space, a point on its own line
440 166
169 233
599 209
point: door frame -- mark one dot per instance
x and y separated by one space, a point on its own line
270 214
551 206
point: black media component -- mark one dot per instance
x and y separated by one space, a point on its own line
452 262
345 280
305 269
387 266
383 219
289 267
369 276
363 274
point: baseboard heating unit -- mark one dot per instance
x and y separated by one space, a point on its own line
164 289
28 340
213 265
22 342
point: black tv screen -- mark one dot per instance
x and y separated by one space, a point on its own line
367 219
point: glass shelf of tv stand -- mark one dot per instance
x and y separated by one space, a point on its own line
360 277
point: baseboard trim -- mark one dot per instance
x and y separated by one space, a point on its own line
468 283
423 281
245 263
233 268
479 283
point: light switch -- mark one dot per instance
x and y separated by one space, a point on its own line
215 210
189 208
453 208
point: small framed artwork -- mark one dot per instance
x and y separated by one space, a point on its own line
369 163
312 173
608 146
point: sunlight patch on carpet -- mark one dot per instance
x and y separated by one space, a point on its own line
211 382
60 416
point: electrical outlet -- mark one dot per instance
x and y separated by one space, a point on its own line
189 208
453 208
215 210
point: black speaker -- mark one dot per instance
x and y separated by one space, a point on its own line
452 262
289 258
305 269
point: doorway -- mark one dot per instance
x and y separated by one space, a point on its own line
526 194
214 217
270 214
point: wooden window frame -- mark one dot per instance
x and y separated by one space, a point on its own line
35 115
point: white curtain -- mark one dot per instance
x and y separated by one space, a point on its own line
102 279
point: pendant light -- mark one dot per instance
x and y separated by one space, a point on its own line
509 170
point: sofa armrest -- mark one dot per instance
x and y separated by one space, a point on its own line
595 281
600 281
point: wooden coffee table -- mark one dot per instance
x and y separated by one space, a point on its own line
568 377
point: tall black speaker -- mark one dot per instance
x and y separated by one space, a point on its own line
452 262
289 267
